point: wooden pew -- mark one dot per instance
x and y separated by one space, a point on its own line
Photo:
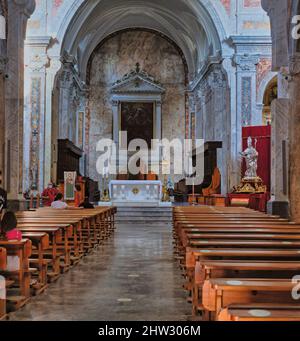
55 237
244 243
214 209
104 215
87 217
67 232
268 232
39 240
220 293
206 270
194 255
246 237
183 225
74 233
260 312
20 294
238 246
222 253
92 221
180 226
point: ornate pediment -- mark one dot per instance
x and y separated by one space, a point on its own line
137 81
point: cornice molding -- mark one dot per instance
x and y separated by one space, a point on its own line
138 77
205 69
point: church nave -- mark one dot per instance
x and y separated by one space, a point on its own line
149 161
133 277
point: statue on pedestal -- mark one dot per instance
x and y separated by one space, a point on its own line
251 182
251 156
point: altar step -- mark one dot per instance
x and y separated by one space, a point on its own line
156 215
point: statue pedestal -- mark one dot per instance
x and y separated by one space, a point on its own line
251 185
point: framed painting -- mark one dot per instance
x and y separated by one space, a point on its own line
69 185
137 119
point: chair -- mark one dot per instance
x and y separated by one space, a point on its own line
215 186
122 177
151 176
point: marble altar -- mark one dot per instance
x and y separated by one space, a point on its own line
135 192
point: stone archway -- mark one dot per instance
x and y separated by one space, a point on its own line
202 31
93 24
270 94
162 82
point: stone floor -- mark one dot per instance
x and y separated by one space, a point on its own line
133 277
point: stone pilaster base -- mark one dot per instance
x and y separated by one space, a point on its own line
280 208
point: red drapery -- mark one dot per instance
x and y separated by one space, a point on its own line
263 136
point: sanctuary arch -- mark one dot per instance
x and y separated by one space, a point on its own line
210 77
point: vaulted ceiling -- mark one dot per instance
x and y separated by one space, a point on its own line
188 25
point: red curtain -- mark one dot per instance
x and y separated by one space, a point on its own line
263 136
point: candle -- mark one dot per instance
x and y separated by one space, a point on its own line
2 27
193 191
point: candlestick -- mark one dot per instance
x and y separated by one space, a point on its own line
193 201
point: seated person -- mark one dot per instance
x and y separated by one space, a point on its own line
9 227
59 204
3 199
10 232
49 194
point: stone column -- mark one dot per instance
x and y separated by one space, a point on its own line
280 159
294 156
278 13
74 106
219 109
199 100
18 13
36 63
235 143
59 104
158 121
285 114
115 109
65 91
213 102
246 87
82 108
205 96
191 121
3 61
283 83
280 111
50 107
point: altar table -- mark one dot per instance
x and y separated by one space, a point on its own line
135 192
